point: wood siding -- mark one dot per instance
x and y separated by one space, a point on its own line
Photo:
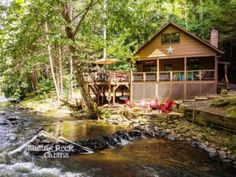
188 46
174 90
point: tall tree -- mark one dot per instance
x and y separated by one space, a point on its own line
71 35
51 62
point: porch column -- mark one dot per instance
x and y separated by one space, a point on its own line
185 77
158 69
157 77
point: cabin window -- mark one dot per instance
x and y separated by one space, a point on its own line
168 67
149 66
193 64
167 38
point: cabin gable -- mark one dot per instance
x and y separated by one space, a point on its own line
187 46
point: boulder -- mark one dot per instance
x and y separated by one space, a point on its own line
3 122
195 143
212 152
13 118
171 137
163 124
203 146
226 160
222 154
110 141
2 113
12 137
135 133
160 133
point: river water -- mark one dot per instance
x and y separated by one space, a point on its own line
143 157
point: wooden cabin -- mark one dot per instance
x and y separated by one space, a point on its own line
174 63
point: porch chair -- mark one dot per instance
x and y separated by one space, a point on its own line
167 106
128 103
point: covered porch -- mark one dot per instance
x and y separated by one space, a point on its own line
183 77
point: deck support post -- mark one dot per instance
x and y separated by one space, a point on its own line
185 77
109 93
114 95
114 92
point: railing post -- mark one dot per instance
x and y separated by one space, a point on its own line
171 76
200 74
144 76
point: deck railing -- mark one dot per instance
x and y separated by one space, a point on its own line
191 75
107 77
162 76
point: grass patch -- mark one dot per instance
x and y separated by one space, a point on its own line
227 105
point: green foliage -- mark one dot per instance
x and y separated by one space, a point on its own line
129 24
105 113
222 102
227 105
45 86
224 92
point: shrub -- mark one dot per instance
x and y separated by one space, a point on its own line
224 92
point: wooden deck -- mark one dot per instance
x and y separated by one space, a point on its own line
105 85
149 85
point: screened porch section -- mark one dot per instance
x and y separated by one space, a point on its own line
175 78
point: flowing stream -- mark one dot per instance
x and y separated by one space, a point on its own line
143 157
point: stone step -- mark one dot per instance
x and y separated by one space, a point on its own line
200 98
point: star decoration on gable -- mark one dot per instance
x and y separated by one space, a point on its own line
170 50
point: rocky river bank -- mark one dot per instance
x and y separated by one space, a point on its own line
124 145
216 143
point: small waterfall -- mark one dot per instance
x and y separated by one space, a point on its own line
62 140
89 146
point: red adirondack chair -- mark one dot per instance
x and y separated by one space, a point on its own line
167 106
128 103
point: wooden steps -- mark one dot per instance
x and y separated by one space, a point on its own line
95 90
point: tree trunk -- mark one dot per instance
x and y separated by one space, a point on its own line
60 70
71 78
92 108
51 63
34 80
